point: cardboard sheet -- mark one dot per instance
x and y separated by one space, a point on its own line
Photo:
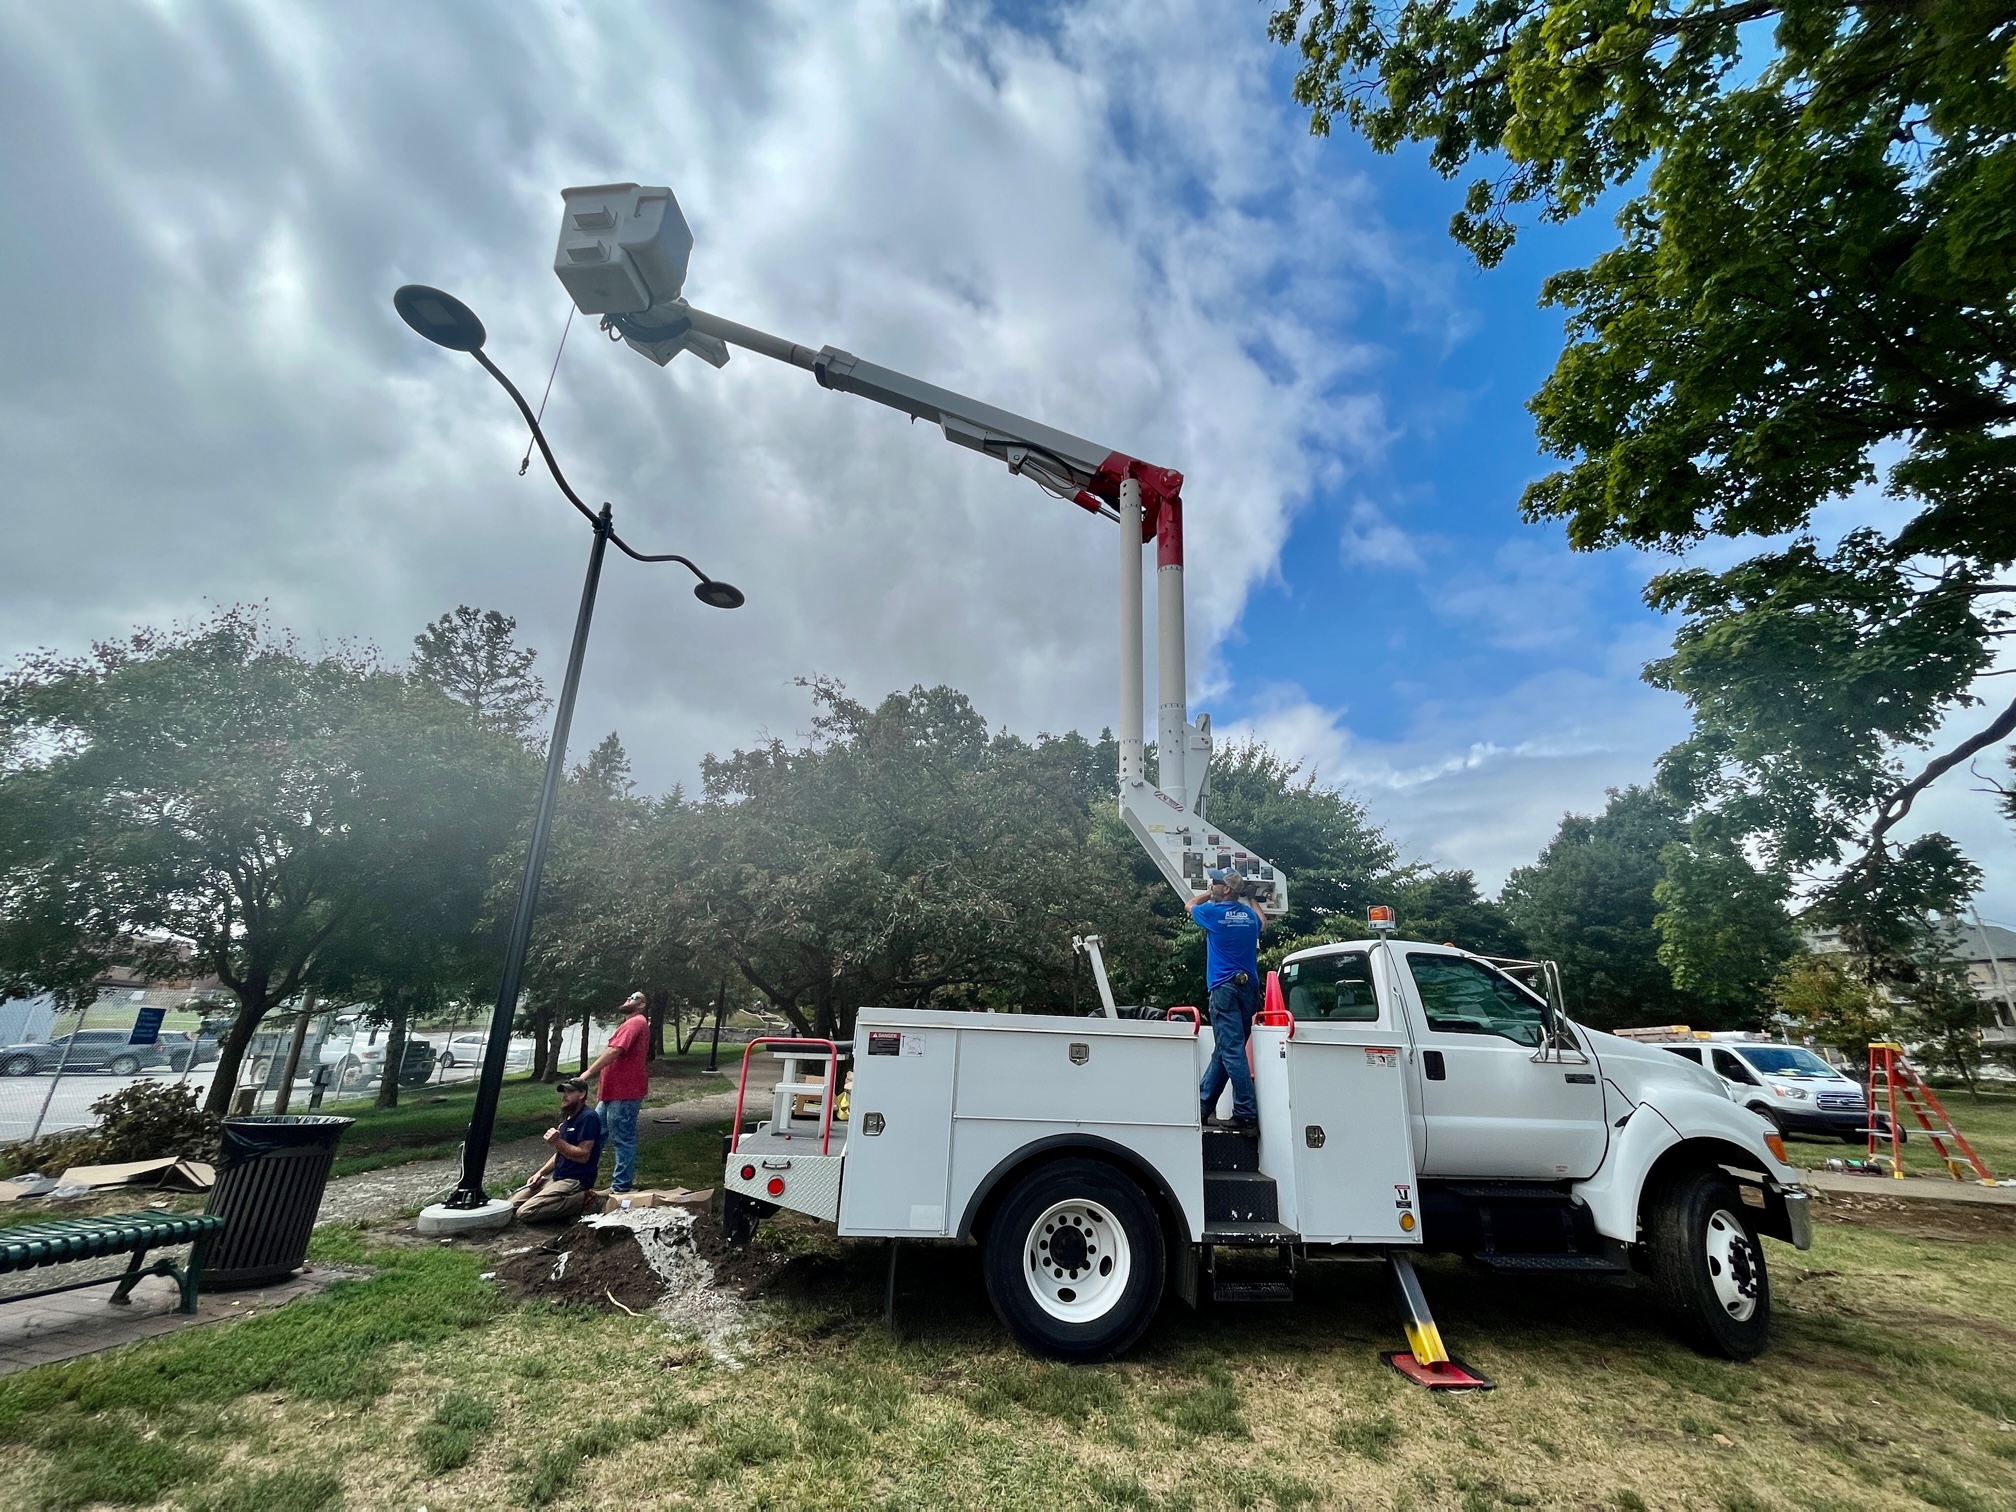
169 1172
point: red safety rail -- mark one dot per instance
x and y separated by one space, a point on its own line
832 1085
1274 1007
1898 1078
1196 1019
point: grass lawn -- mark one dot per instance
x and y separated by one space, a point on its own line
430 1122
1886 1388
1988 1123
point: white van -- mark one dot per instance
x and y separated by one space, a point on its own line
1787 1085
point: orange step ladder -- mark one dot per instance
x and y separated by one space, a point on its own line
1895 1076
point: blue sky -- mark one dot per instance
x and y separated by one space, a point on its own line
1103 214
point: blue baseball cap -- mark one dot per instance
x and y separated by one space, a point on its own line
1223 875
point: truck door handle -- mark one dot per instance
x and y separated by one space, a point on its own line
1432 1067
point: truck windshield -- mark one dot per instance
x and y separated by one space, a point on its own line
1786 1060
1333 987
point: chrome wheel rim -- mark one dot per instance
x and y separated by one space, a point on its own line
1076 1260
1734 1268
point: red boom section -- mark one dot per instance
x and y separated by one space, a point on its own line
1160 487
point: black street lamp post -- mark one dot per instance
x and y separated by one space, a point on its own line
446 321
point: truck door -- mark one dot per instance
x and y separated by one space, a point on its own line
1492 1109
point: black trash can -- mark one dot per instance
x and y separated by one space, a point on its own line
271 1170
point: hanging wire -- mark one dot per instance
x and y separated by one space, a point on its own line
526 461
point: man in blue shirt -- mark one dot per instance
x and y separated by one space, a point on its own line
1232 929
559 1189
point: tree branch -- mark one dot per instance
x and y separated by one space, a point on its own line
1900 801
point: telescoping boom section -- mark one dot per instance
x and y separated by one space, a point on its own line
622 256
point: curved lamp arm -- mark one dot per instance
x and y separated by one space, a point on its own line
553 466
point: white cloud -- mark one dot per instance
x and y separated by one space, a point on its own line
1371 540
1116 226
1483 784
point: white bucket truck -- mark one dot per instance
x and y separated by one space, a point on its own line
1411 1096
1415 1097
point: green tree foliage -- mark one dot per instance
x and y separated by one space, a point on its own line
1337 862
213 798
472 656
1825 998
1589 902
1445 906
1811 295
1941 1014
1723 929
904 856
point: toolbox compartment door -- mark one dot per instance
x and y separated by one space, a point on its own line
895 1179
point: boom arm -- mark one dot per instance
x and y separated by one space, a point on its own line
622 255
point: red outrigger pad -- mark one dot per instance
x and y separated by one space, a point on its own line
1450 1375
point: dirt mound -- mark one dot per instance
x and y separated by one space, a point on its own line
665 1260
1919 1217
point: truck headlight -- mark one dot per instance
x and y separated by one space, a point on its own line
1797 1094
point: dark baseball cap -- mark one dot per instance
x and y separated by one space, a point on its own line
574 1084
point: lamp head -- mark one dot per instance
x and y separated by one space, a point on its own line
441 318
718 595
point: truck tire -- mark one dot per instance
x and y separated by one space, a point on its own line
1074 1260
1768 1116
1708 1265
124 1065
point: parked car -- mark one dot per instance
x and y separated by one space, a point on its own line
365 1064
1789 1086
467 1050
89 1050
180 1045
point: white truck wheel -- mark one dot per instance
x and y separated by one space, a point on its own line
1074 1260
1708 1264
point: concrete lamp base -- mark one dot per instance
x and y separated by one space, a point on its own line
444 1222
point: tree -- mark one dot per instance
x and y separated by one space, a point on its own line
469 654
462 789
904 856
1811 295
585 940
1338 863
211 798
1588 903
1941 1015
1832 1003
1446 906
1723 929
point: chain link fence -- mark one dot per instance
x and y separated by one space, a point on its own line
55 1065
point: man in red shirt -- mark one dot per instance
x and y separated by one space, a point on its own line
624 1083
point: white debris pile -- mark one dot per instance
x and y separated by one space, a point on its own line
692 1303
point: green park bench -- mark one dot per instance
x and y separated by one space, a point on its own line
58 1241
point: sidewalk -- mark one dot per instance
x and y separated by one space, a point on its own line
1913 1188
393 1190
43 1330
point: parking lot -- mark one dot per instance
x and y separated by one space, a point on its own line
59 1103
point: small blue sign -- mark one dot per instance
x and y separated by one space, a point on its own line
147 1027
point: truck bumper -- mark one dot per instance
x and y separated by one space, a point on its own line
1798 1218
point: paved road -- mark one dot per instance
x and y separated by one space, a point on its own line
69 1105
70 1098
